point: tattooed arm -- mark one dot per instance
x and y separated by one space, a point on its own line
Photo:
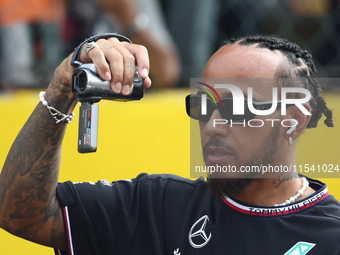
28 204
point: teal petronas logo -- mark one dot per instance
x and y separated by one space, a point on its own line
300 248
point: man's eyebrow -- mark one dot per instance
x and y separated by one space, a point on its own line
201 92
228 94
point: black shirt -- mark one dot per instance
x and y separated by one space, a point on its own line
167 214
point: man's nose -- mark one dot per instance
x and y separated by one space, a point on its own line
216 125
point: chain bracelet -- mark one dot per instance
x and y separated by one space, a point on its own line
57 115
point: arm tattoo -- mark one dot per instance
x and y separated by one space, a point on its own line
28 204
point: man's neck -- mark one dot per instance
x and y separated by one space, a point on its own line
269 191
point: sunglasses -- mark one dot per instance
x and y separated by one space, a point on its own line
194 108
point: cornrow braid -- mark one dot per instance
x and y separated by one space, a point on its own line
301 65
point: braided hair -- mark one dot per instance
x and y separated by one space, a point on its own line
299 64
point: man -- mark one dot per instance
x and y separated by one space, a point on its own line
166 214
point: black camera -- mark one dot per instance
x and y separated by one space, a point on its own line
89 88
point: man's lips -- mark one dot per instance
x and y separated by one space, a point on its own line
216 155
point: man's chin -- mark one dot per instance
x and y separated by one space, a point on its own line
231 187
221 175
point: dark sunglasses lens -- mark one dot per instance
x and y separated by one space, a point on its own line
227 112
194 108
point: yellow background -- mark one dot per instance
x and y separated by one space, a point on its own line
152 135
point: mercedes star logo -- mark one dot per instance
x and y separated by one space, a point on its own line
202 239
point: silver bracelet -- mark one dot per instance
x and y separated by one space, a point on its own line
54 112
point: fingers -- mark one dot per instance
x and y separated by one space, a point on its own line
127 63
98 58
115 61
141 54
147 83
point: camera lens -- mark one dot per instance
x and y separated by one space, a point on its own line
81 81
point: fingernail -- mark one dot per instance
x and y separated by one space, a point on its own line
144 72
107 76
126 90
118 87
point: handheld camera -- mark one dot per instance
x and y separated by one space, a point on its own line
89 88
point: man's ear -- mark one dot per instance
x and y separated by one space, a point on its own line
303 120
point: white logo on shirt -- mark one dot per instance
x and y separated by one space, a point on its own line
201 237
176 252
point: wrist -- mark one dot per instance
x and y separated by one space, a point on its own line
59 93
56 114
61 101
63 75
62 79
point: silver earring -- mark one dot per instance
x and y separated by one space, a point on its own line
290 141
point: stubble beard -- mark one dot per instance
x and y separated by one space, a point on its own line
264 154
